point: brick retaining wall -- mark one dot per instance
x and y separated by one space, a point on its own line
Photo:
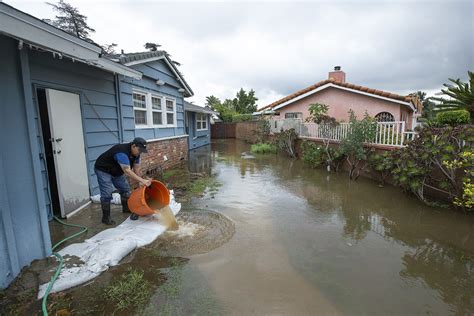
175 150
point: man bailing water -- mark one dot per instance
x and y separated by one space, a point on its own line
111 168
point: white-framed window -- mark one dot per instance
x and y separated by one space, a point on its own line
139 108
170 111
152 110
201 121
157 110
294 115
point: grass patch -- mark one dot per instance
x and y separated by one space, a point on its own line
131 291
169 173
263 148
199 186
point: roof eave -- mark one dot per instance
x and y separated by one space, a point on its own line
187 88
30 29
328 85
19 25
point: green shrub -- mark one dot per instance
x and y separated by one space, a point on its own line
312 154
439 159
227 116
382 164
453 118
353 146
286 141
241 117
263 148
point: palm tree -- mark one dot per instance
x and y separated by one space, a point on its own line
460 96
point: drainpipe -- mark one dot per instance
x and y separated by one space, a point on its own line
118 100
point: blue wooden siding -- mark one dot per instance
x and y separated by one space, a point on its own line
24 189
24 234
98 101
197 138
151 73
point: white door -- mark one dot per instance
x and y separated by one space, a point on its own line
65 120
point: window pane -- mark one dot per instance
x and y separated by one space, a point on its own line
139 100
140 118
198 125
294 115
169 105
170 118
204 125
157 118
156 103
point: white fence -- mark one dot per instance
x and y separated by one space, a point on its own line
387 133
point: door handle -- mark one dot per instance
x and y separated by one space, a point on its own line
59 139
59 152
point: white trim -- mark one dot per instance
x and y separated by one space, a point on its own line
328 85
69 215
165 138
149 110
160 97
143 61
205 120
145 109
178 76
174 112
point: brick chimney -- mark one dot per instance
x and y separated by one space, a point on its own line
337 74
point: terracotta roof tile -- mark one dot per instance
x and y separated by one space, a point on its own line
386 94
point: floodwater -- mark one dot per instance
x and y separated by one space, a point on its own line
281 238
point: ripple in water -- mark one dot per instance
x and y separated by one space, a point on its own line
199 232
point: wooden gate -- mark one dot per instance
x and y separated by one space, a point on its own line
223 130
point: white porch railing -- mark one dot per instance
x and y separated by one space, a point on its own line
387 133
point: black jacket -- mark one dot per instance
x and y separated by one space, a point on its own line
107 163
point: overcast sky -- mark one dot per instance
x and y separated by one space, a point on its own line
277 48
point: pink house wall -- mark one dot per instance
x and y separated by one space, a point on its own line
340 101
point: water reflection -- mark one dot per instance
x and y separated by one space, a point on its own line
357 242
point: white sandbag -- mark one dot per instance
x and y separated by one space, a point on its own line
115 198
106 249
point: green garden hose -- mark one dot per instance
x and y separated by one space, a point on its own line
61 261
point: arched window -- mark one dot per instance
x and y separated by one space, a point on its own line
384 117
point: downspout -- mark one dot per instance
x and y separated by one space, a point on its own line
118 100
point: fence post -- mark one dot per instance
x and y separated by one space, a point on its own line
403 133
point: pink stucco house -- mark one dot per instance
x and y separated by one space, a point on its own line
342 96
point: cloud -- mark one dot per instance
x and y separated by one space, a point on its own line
277 48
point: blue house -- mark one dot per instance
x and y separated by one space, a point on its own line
62 103
197 122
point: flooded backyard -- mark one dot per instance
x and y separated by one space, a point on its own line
309 242
276 237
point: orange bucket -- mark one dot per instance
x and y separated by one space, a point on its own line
145 200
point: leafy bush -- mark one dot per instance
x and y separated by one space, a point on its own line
312 154
353 146
453 118
439 159
263 148
241 117
286 140
382 163
227 116
263 130
317 156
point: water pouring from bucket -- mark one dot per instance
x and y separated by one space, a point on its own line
154 199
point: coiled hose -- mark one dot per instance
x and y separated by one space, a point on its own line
61 261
